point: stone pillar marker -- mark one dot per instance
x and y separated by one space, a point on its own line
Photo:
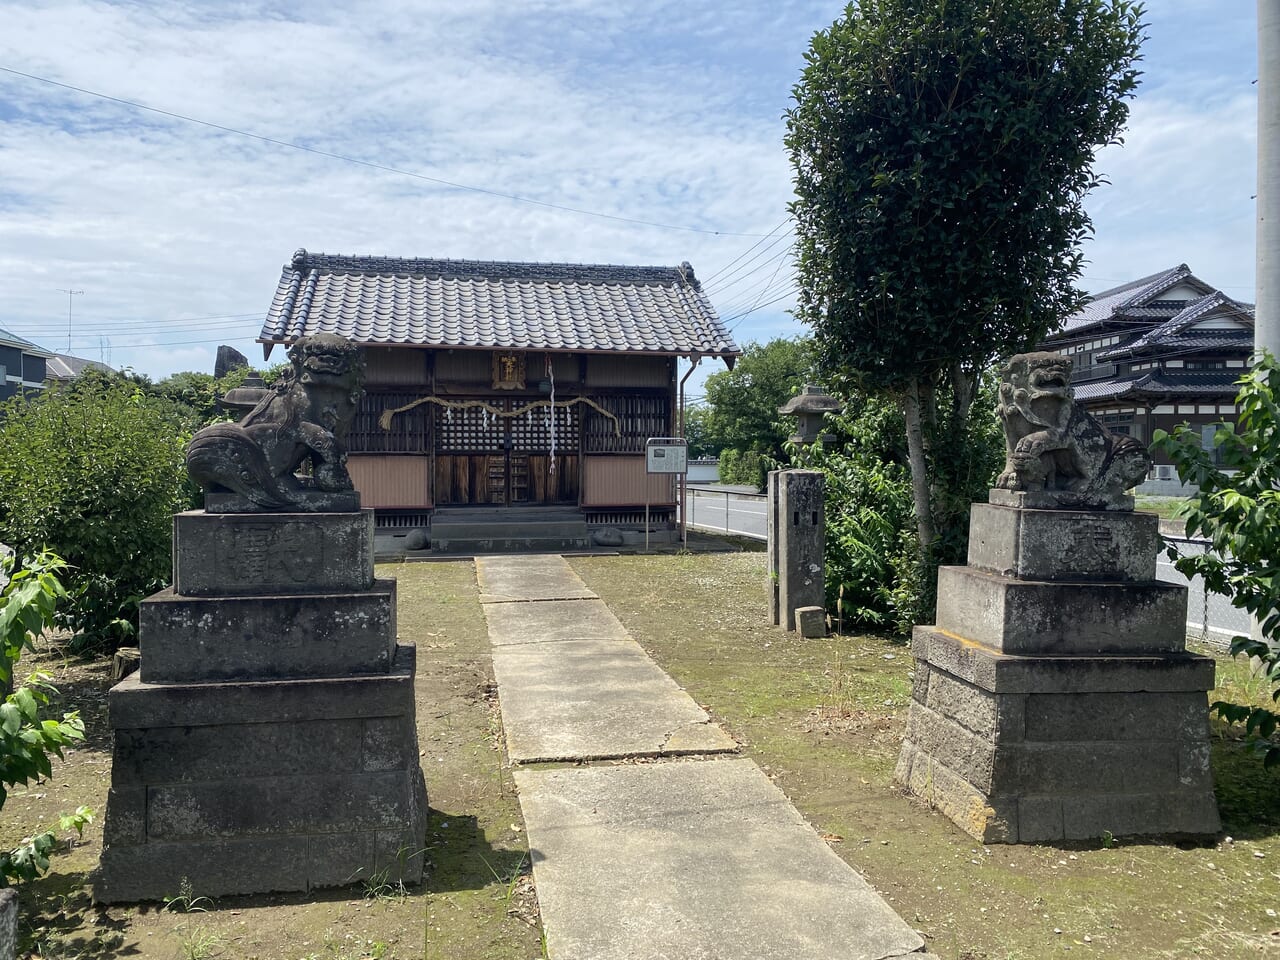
1054 698
796 538
797 525
268 741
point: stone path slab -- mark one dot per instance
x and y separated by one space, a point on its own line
528 577
695 860
541 621
594 699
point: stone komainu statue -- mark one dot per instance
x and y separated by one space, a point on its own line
1053 445
304 417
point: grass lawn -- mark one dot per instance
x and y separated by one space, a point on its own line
1166 507
823 718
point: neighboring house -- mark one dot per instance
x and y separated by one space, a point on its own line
471 353
22 365
62 367
1156 352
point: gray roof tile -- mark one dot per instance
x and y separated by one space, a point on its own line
1174 330
1155 386
1120 300
62 366
471 303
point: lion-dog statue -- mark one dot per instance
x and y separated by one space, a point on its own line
305 416
1053 445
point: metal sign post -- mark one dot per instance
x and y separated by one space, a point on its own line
663 455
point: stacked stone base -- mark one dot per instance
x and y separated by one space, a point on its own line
268 743
1050 710
1035 749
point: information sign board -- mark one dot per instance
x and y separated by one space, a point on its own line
666 455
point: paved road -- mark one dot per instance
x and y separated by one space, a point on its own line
727 511
1210 616
733 510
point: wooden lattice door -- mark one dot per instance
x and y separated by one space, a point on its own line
503 460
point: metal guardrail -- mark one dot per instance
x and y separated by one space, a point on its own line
722 511
1211 617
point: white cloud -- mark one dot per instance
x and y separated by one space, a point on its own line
1181 190
655 111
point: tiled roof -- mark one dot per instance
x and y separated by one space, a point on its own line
472 303
1154 386
1137 301
1104 305
62 366
1107 389
1168 333
1239 342
8 339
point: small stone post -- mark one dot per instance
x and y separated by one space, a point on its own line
797 528
796 538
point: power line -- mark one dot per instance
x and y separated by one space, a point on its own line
748 250
762 273
369 163
167 343
761 294
749 281
746 313
221 316
758 290
728 280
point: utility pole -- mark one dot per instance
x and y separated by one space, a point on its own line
69 295
1266 331
1266 326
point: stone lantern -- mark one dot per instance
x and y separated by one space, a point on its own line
807 407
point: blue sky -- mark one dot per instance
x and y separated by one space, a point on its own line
654 111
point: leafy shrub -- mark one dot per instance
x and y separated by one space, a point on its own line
870 533
93 471
196 397
28 599
1238 509
746 467
30 858
875 573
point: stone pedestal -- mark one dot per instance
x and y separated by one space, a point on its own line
797 527
268 741
1054 699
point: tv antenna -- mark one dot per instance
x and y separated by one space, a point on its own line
70 294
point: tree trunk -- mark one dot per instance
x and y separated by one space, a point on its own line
910 401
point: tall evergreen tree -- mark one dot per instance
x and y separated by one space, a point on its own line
942 153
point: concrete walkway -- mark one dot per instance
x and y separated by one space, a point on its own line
653 856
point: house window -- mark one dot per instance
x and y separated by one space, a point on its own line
1207 433
1119 423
